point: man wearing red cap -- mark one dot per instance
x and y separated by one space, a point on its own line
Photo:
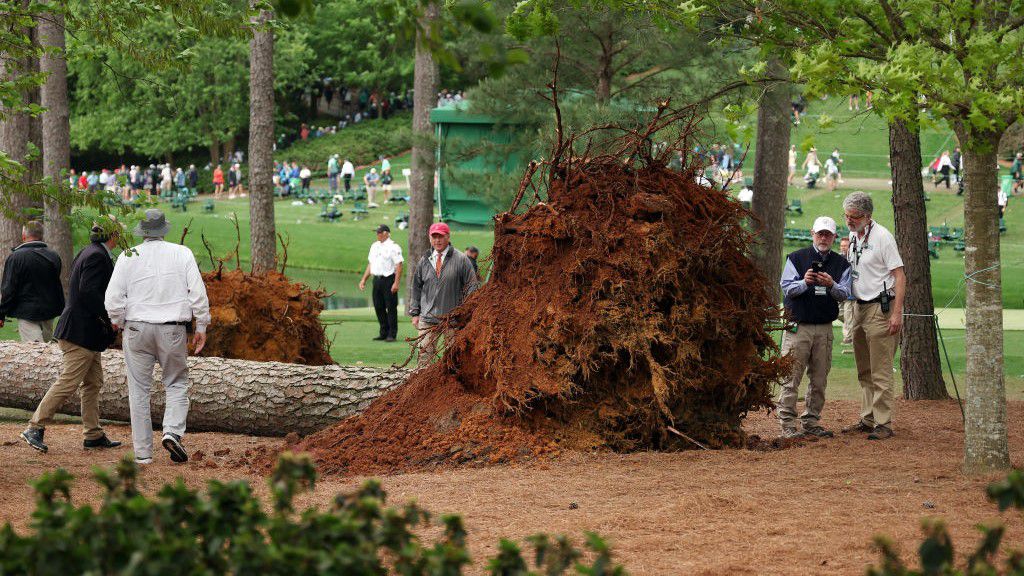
442 280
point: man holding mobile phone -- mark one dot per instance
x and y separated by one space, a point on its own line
814 282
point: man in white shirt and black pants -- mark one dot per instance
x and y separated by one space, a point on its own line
154 294
386 267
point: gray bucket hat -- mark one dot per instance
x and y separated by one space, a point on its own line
154 225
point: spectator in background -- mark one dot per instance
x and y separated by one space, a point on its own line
473 253
385 182
371 179
333 169
218 181
166 179
192 179
846 308
306 176
799 104
30 289
944 169
235 181
348 171
792 164
1016 172
838 160
179 178
957 164
92 181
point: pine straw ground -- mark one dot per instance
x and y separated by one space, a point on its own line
811 509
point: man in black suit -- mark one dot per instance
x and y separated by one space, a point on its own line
83 333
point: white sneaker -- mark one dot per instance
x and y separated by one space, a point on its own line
143 461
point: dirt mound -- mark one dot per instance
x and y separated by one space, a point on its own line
265 317
621 306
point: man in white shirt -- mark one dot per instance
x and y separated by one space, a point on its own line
385 265
348 171
879 286
154 293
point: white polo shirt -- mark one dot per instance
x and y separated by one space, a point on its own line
384 257
872 260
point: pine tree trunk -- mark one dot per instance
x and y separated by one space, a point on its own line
919 359
214 152
14 137
56 138
986 446
771 172
261 147
421 182
238 396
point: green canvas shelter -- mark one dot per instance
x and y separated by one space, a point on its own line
455 127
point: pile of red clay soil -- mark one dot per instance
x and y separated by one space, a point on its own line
622 314
264 317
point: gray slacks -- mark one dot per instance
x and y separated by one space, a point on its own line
144 345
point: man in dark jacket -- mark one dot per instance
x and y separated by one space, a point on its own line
192 179
814 282
83 333
30 290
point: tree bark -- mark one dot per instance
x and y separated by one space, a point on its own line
421 181
14 137
771 173
238 396
919 359
263 246
214 152
986 447
56 139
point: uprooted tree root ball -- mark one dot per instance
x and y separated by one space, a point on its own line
623 313
264 317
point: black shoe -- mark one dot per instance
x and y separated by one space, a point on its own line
34 437
858 427
172 443
880 433
101 442
378 338
818 431
389 339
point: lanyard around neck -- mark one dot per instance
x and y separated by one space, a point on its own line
858 248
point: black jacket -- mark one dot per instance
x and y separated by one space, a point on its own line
85 321
31 288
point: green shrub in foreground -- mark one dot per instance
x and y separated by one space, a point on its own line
936 552
227 531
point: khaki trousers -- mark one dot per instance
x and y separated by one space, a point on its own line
874 350
846 309
810 349
81 369
33 331
427 346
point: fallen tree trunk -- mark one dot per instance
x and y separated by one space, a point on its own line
239 396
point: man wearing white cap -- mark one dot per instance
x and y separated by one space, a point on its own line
814 282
